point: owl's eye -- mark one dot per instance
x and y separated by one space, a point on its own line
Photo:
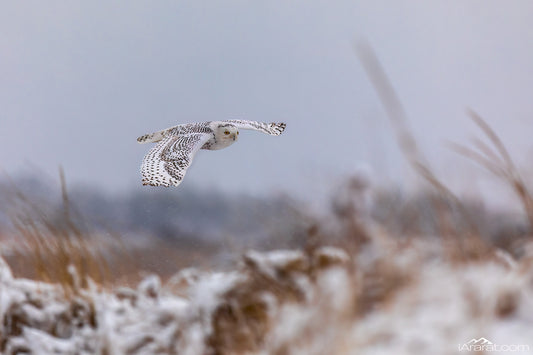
226 132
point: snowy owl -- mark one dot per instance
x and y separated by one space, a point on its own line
166 163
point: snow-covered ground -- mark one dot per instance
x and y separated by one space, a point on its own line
385 298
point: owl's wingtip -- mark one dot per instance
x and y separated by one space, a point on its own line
142 139
278 128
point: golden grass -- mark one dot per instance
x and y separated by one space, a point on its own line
56 246
498 161
464 240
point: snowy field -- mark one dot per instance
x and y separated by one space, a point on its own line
376 273
386 297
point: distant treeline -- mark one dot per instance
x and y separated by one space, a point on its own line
193 217
184 214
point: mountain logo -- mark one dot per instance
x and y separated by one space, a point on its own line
480 341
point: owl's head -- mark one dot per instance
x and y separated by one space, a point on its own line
227 133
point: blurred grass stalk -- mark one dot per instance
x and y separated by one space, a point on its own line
496 160
56 247
398 117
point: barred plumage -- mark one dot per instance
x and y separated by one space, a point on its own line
168 161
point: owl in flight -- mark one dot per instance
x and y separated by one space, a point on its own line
167 162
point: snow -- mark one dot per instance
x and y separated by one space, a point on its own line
375 301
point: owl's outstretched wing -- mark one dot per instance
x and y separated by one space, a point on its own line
202 127
167 162
274 129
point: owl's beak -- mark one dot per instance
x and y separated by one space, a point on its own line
234 136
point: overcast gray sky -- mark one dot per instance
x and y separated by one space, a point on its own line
79 81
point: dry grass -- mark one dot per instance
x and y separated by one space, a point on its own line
465 240
498 161
249 310
56 246
243 321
